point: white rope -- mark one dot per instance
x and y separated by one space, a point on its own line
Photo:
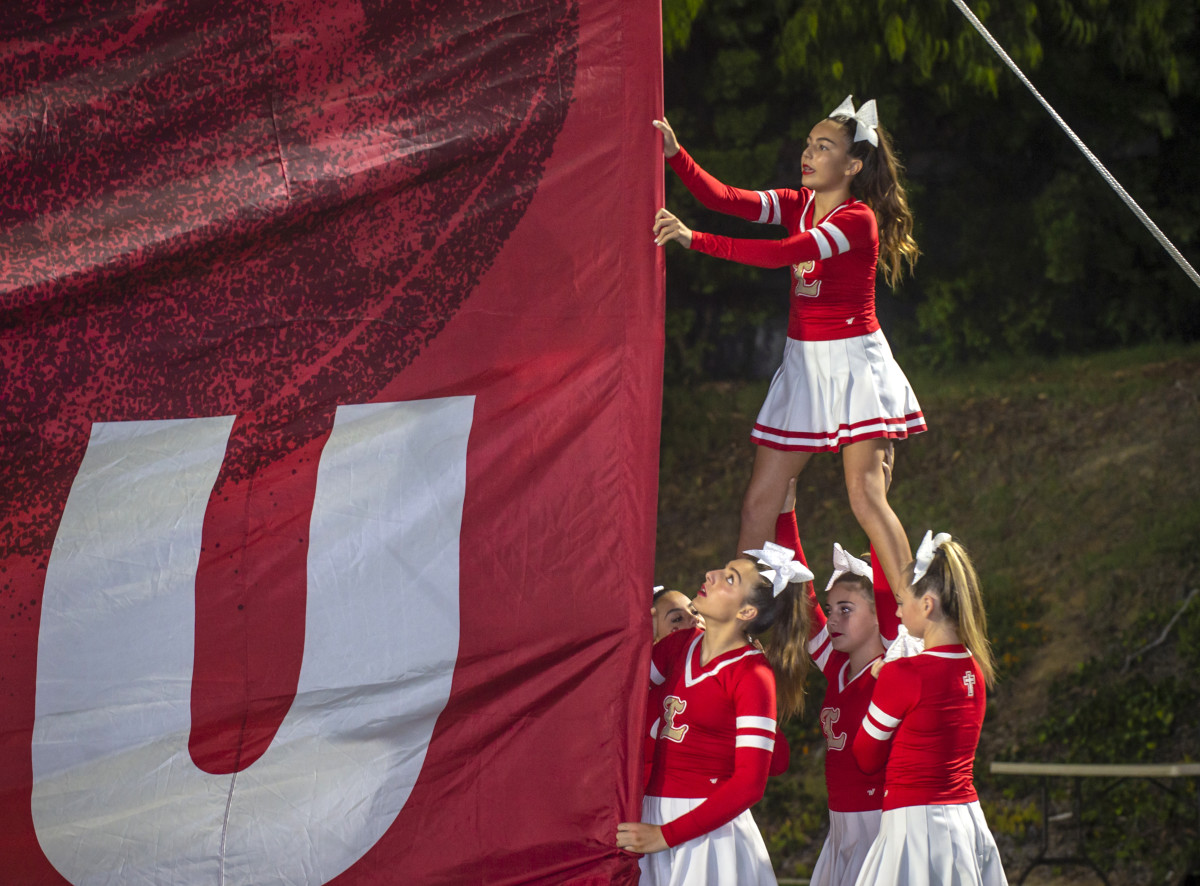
1107 176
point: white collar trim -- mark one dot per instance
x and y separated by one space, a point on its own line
966 654
843 682
689 680
817 222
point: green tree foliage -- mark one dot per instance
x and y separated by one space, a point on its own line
1025 246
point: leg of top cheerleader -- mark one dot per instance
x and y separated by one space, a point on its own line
773 468
866 482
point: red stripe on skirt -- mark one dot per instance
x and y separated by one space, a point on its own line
816 435
842 440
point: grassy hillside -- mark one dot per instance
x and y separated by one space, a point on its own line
1075 484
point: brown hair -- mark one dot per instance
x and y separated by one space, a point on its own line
952 578
880 184
782 627
861 583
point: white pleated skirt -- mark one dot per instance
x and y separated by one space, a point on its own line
850 837
827 394
731 854
933 846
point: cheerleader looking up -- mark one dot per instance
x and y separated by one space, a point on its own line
839 387
924 722
721 696
673 611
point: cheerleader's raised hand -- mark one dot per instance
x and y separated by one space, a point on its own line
670 143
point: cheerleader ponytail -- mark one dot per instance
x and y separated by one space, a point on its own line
952 578
880 184
781 626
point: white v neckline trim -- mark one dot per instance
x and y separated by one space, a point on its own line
689 680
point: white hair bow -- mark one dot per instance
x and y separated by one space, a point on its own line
782 568
929 545
904 646
866 117
843 563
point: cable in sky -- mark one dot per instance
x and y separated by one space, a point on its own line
1105 174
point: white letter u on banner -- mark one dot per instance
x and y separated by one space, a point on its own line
116 796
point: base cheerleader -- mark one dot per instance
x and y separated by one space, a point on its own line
924 722
720 696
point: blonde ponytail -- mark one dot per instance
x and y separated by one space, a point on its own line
952 578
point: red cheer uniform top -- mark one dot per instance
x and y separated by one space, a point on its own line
924 722
847 694
716 733
833 259
781 756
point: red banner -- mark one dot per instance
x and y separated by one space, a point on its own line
331 348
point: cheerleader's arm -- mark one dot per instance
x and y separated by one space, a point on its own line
852 228
820 649
895 695
787 534
741 791
754 744
754 206
758 253
781 755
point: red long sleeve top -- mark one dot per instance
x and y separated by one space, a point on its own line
833 259
716 735
924 722
847 695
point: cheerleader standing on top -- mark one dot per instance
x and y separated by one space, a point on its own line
924 722
839 387
719 695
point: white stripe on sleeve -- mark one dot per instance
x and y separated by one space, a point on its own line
755 741
764 723
765 215
823 659
874 731
843 243
819 640
776 213
822 242
656 676
884 719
